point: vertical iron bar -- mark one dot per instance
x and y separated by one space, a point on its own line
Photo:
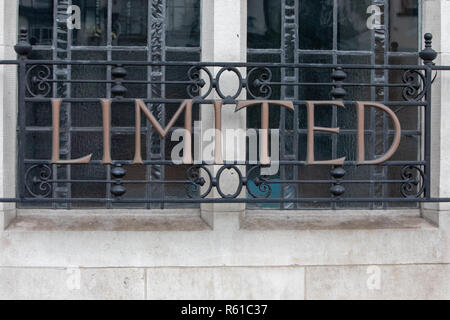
108 89
428 55
23 49
427 193
387 48
334 122
148 131
289 75
22 123
282 111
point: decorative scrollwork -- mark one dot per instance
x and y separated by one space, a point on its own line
414 186
240 84
415 85
239 187
37 181
261 182
197 181
259 88
195 75
38 84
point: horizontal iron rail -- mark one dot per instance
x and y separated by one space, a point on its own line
221 64
236 163
226 200
277 83
190 182
132 130
205 101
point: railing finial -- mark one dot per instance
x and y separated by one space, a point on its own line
118 73
117 174
338 76
23 47
338 93
428 54
337 189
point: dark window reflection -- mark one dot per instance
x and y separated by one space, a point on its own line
129 22
93 30
353 33
264 24
37 16
183 23
316 24
403 25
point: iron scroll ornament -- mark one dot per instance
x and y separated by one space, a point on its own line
198 82
260 87
37 181
415 85
414 186
38 80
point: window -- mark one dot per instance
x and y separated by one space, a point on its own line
336 32
111 30
310 38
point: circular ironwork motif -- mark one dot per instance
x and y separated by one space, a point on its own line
258 83
195 75
240 184
38 84
261 182
197 181
37 181
240 86
415 85
414 185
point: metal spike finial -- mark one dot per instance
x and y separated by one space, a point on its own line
23 47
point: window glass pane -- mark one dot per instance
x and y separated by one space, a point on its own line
88 190
314 75
37 16
353 33
316 24
93 30
129 22
403 25
357 76
264 24
134 73
183 23
88 72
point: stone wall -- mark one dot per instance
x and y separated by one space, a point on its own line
216 253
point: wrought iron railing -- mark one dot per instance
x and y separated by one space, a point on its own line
37 180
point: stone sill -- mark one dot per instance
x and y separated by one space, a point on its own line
190 220
335 220
108 220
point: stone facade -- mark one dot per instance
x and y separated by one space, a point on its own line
221 252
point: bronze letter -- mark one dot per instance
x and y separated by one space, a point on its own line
264 146
312 128
187 104
218 158
361 147
106 109
56 108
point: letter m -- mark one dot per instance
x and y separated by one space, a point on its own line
186 106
